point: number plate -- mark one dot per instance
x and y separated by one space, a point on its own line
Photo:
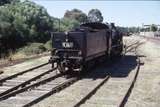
67 44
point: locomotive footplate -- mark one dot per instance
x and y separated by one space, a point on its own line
66 64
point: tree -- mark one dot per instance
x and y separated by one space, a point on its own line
23 22
76 14
2 2
67 24
31 21
154 28
95 15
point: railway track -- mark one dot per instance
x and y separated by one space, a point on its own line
61 86
16 92
45 88
131 47
35 84
132 44
23 84
125 98
21 73
20 80
26 96
82 101
27 93
40 90
52 91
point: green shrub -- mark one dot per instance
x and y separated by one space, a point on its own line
48 45
33 48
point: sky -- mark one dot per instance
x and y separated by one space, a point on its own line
122 13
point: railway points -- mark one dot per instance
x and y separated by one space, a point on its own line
116 91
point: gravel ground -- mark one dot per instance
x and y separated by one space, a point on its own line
109 95
147 88
144 94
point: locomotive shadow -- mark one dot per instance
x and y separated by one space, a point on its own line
116 68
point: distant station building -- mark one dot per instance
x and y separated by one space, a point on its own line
150 30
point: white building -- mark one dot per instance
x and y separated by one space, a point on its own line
147 31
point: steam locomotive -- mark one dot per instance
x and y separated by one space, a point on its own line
74 51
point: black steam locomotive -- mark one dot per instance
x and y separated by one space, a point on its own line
76 50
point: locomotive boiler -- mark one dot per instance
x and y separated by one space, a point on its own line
74 51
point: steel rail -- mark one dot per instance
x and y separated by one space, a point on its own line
30 86
125 98
84 99
20 73
26 82
137 42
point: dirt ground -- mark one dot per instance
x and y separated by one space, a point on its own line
19 58
146 92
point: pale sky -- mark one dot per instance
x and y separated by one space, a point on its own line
123 13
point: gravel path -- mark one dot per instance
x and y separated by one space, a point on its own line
147 88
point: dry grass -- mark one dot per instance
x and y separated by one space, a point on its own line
18 55
18 58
